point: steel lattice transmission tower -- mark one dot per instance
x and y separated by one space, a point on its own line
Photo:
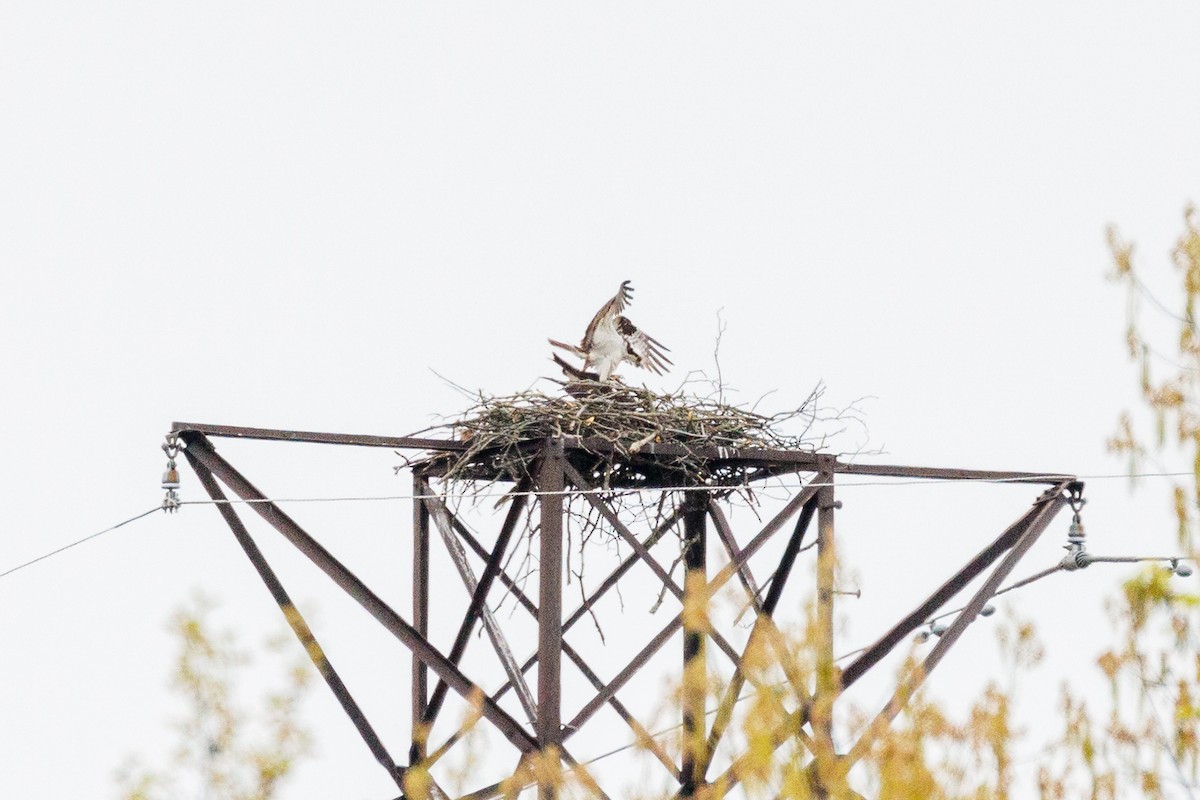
538 499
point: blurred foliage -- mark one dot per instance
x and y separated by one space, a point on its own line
1148 744
224 752
1169 376
776 747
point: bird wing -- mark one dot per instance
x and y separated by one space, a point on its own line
647 352
609 310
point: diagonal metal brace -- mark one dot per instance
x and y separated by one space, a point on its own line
298 624
623 531
764 625
725 534
584 606
491 571
199 446
441 520
720 579
940 596
639 730
1042 513
1046 506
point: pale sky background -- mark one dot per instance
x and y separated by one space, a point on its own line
286 215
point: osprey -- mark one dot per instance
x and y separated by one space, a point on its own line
610 339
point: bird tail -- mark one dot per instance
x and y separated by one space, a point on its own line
574 372
570 348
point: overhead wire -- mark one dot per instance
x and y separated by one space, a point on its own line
1034 578
78 542
598 490
710 489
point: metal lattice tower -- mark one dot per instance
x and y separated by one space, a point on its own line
540 496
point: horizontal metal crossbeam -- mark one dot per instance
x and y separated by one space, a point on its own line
803 460
313 437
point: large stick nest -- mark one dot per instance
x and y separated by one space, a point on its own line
617 424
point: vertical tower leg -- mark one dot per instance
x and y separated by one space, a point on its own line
549 710
420 600
827 681
695 677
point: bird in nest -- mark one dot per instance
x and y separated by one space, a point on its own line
611 339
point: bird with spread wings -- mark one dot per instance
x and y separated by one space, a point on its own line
611 339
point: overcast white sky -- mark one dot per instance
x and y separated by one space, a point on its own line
286 215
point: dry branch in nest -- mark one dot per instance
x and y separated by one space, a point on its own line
614 425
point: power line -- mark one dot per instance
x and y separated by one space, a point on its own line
581 492
710 489
79 542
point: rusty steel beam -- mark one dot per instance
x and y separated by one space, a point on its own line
659 531
815 500
298 624
1050 502
952 474
765 615
623 531
725 534
770 529
583 607
314 437
420 596
826 679
571 653
199 446
788 559
477 609
603 446
550 631
695 560
719 580
623 677
952 586
596 444
1049 505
